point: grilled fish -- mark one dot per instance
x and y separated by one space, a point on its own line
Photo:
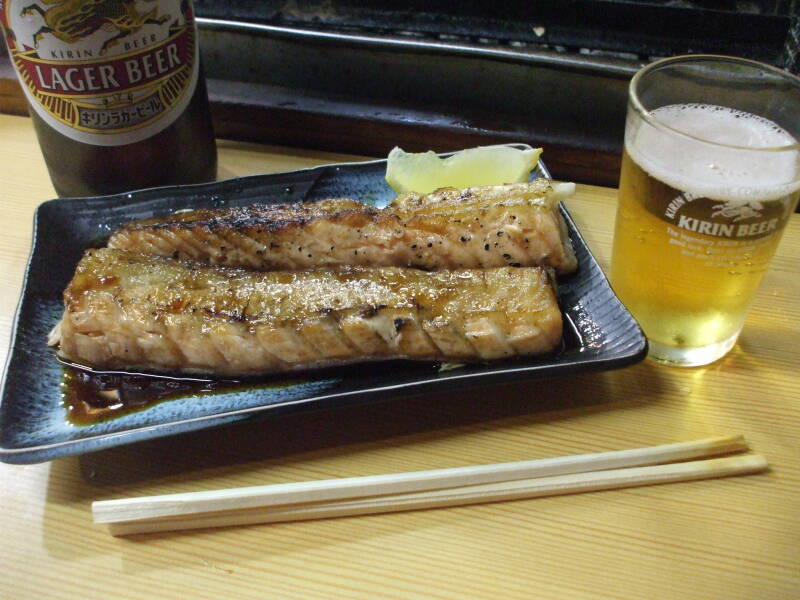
509 225
135 311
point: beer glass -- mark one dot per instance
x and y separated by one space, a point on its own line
710 177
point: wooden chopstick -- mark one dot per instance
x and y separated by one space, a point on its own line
354 487
472 494
153 507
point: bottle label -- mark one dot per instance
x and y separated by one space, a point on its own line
104 72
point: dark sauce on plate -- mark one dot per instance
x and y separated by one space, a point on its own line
91 397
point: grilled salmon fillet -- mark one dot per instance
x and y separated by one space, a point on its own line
509 225
135 311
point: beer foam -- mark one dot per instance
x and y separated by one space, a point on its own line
717 170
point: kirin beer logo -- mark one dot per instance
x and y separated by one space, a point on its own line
743 218
73 20
104 72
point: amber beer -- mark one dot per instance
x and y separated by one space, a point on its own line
115 92
698 224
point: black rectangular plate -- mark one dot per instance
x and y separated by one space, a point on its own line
600 333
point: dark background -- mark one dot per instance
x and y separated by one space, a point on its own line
362 77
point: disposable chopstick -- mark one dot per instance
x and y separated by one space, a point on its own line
472 494
353 487
396 483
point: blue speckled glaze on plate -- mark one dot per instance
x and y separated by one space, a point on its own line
600 333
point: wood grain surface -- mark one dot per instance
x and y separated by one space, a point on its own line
731 538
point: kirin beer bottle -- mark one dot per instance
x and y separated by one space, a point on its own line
115 91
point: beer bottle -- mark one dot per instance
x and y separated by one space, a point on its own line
115 91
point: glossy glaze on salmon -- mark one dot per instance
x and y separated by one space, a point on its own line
133 311
509 225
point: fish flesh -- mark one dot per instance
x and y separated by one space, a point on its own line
480 227
135 311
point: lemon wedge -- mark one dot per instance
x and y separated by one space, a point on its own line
423 172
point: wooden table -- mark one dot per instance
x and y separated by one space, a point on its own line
728 538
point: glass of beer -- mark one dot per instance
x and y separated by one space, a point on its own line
710 177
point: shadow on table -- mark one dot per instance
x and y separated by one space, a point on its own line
200 456
336 431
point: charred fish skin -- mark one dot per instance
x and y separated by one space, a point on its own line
481 227
126 310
